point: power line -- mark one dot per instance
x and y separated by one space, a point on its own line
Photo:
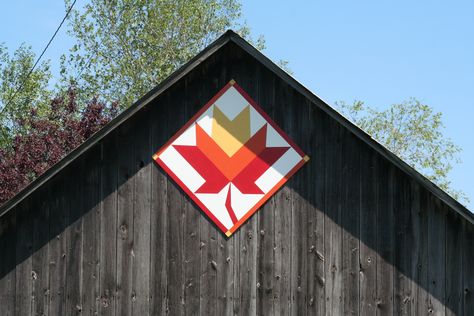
40 56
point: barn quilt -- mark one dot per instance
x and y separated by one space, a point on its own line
230 158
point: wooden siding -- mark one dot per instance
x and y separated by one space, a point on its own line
350 233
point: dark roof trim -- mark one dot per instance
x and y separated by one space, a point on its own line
122 117
427 184
194 62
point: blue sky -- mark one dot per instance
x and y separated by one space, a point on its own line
381 52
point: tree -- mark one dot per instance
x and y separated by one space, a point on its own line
47 139
412 131
125 47
20 90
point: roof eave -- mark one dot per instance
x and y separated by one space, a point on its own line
193 63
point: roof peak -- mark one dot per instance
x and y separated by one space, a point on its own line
215 46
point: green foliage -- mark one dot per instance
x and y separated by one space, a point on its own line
125 47
412 131
285 65
19 93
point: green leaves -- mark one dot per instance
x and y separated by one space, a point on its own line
414 132
126 47
19 93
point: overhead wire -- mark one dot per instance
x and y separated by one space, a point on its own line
39 57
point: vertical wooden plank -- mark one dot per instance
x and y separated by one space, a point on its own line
108 226
24 245
315 186
8 263
296 128
225 272
385 239
174 251
436 256
191 237
265 237
125 220
333 221
468 272
40 265
368 231
454 267
265 259
235 260
58 222
248 275
420 258
91 231
192 258
403 238
158 217
175 119
282 223
350 223
74 286
208 278
282 266
141 215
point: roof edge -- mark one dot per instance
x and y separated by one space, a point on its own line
230 35
366 138
117 121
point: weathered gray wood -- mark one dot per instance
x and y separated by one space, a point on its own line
403 244
436 257
468 272
40 267
158 219
420 258
265 259
125 191
350 188
248 276
264 96
208 277
235 260
368 232
299 215
191 232
315 177
108 226
24 244
58 221
385 231
454 267
74 288
282 224
282 266
175 119
7 264
333 220
225 273
91 232
141 216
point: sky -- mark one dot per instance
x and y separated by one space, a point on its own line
380 52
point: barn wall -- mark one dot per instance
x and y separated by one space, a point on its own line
348 234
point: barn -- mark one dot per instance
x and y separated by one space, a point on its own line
354 230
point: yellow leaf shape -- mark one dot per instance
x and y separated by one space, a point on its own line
230 135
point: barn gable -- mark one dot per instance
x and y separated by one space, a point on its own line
355 231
